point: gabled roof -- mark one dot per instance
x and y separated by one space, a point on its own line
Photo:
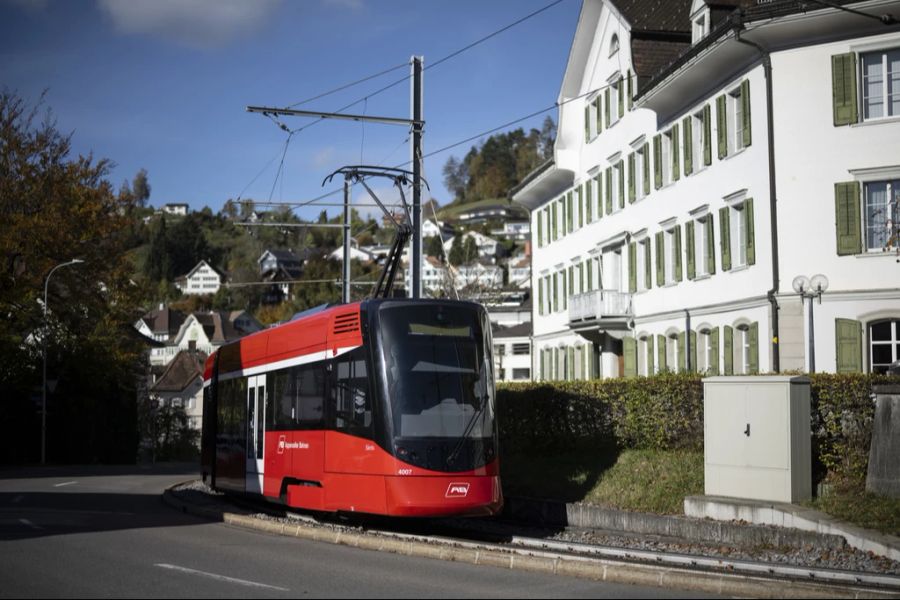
186 367
198 266
164 320
656 15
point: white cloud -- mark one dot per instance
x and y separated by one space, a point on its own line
201 23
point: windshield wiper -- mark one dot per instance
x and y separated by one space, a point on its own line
462 440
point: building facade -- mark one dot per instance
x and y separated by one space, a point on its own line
202 280
706 156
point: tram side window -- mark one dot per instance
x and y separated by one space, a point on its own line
300 398
350 395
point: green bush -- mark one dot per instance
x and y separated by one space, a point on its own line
665 412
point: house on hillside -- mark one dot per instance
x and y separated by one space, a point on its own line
181 386
486 212
280 267
201 280
204 332
160 324
487 246
709 155
176 209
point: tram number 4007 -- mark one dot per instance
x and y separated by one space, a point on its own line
404 472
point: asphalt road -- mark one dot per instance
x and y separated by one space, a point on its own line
103 531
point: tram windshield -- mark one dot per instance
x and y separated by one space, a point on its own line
438 370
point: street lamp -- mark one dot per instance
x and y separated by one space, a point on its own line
811 288
44 344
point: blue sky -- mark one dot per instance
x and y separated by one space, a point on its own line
163 84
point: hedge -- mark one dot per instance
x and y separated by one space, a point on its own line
665 412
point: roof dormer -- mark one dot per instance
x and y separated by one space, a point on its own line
699 20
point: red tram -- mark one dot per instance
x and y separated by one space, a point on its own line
385 406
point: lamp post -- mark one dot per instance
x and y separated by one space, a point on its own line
811 288
44 344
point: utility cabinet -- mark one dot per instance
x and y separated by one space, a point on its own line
757 437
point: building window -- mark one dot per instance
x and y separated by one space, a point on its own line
614 91
614 45
882 210
702 245
704 351
742 347
672 357
884 349
521 349
881 84
519 374
735 121
738 234
638 173
698 140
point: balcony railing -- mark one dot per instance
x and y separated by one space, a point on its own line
599 304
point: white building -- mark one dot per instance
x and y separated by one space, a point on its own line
176 209
202 279
477 275
200 331
704 159
514 230
435 277
487 246
512 352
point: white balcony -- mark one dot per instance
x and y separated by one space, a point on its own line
599 304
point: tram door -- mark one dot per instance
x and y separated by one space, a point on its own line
256 419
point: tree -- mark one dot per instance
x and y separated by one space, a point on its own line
456 177
54 208
141 188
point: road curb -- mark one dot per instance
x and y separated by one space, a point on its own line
597 569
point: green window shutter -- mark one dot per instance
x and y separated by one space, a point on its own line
598 114
714 351
632 267
572 281
657 160
630 91
678 259
660 260
570 215
621 168
710 245
661 353
554 302
581 270
725 238
646 162
847 213
689 238
580 192
564 286
686 146
555 366
848 335
681 353
620 92
754 348
676 157
609 191
707 135
629 352
588 201
749 231
745 112
599 179
693 366
648 265
728 344
843 88
540 230
722 126
590 275
554 231
650 352
540 297
631 177
606 107
587 123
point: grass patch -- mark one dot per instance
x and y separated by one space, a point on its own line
653 481
852 503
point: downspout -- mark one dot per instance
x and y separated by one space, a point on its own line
773 211
688 363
